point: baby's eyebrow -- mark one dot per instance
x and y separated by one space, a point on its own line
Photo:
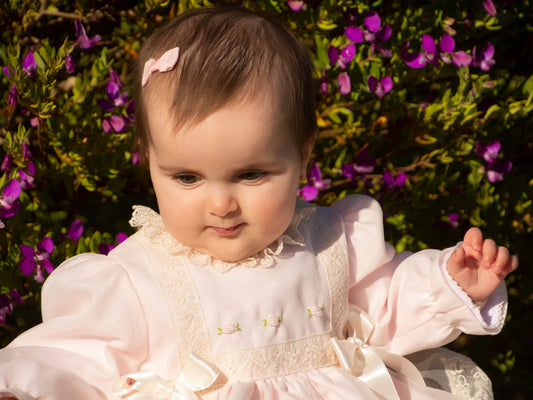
176 168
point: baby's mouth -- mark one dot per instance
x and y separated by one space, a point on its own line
227 231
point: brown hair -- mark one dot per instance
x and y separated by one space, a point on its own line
227 53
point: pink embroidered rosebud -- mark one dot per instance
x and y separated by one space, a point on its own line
229 329
272 320
163 64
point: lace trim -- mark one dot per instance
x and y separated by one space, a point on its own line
181 297
153 227
278 359
334 258
453 372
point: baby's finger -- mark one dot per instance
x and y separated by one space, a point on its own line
502 262
474 238
511 265
490 252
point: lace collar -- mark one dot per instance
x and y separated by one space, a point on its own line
151 224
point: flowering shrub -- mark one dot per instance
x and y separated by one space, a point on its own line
424 105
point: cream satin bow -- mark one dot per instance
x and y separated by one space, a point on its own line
197 374
370 363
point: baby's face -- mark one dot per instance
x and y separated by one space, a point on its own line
226 186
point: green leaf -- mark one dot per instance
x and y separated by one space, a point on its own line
527 89
39 61
326 25
492 110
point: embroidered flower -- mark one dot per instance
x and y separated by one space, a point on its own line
272 320
315 311
229 329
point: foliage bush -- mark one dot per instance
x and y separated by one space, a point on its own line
443 146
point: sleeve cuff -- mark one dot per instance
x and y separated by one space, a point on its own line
491 315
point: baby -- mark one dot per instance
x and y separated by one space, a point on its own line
236 289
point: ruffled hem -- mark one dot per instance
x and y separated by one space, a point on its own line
151 223
450 376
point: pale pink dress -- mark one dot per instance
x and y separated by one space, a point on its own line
266 324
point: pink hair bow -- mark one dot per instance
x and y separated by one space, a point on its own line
163 64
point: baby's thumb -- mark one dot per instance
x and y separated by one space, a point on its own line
456 261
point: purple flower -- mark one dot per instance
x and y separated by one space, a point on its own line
28 64
75 230
384 85
7 163
420 59
104 248
37 259
495 167
461 58
70 65
345 86
27 178
488 152
7 304
324 84
342 58
362 164
26 151
484 59
295 5
333 54
453 220
84 42
35 122
372 32
9 205
490 8
391 182
5 69
446 48
432 54
314 183
116 123
496 170
130 110
12 96
116 98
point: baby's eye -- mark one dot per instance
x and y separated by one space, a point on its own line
252 175
186 179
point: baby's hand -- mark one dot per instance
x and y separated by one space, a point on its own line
478 265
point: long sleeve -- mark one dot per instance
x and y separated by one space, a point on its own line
413 301
93 330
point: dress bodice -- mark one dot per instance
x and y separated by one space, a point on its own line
272 315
